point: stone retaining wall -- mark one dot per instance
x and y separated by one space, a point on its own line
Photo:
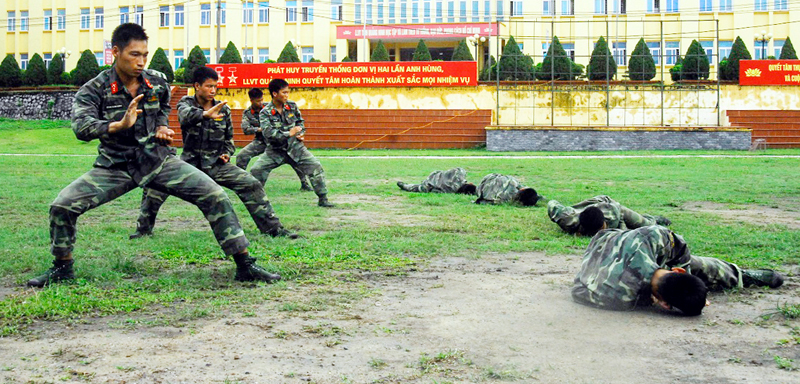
37 105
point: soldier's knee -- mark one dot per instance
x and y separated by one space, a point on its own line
61 214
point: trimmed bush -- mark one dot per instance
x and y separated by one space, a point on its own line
738 52
195 60
86 69
695 63
787 52
489 70
641 67
179 75
421 53
36 74
288 54
347 59
230 55
313 60
10 74
513 64
160 63
676 70
462 52
379 53
66 78
602 65
556 64
104 67
55 69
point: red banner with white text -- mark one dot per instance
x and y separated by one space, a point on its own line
352 74
769 72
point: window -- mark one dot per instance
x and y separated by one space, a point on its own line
781 5
621 7
99 18
358 11
48 20
415 11
725 49
548 7
725 6
708 47
672 49
333 54
761 5
403 12
247 55
23 61
762 49
515 9
705 6
570 49
672 6
86 18
247 13
12 21
308 54
61 19
439 11
462 15
567 7
600 7
163 16
124 16
263 55
368 11
336 10
138 17
475 11
263 12
500 9
426 11
778 46
23 21
291 11
308 10
179 15
380 11
205 14
207 54
451 11
655 50
620 53
47 57
223 13
391 12
100 57
487 11
653 6
178 55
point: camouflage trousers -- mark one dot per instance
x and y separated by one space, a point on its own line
306 163
423 188
635 220
249 190
716 273
255 148
177 178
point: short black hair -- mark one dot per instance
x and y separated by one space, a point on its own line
467 189
124 33
683 291
201 74
527 197
276 85
255 93
591 220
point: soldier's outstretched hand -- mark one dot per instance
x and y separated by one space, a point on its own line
164 135
213 112
131 114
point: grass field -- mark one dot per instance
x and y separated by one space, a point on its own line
375 226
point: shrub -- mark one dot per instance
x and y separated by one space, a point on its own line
313 60
787 52
641 67
55 69
230 55
695 63
179 75
66 78
86 69
347 59
556 64
10 74
195 60
421 53
677 69
288 54
160 63
462 53
489 71
104 67
738 52
513 64
379 53
602 65
36 74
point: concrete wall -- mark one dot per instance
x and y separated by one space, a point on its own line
56 105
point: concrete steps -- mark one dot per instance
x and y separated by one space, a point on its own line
777 128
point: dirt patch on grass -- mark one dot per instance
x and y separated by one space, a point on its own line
504 317
376 212
749 213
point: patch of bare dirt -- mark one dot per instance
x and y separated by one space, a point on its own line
376 211
499 318
749 213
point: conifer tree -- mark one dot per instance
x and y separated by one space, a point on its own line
641 67
195 60
695 63
462 52
36 74
288 54
513 64
55 69
160 63
556 64
10 74
230 55
379 53
602 65
787 52
86 69
422 53
738 52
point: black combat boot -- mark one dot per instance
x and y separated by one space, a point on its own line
323 202
247 270
761 278
661 220
61 270
140 233
305 187
402 185
283 232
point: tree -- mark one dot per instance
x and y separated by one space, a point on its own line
230 55
422 53
641 67
160 63
195 60
513 64
462 52
675 73
86 69
489 70
288 54
556 64
55 69
10 74
787 52
738 52
602 65
36 74
179 75
695 63
379 53
347 59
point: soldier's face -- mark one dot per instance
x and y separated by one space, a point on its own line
207 90
281 96
257 103
131 60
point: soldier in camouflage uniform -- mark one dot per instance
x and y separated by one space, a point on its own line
449 181
251 126
126 108
623 269
283 130
208 145
501 189
614 215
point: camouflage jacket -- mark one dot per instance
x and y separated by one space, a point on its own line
104 100
250 124
497 189
567 217
618 265
275 126
204 140
448 181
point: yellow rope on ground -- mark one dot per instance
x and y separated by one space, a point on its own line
420 127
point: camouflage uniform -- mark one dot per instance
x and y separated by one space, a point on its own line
251 126
440 182
616 215
131 158
282 149
204 141
497 189
618 265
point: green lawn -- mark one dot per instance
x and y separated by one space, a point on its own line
375 227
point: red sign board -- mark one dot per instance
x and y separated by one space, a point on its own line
108 58
352 74
414 31
769 72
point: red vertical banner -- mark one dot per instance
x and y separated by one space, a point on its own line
769 72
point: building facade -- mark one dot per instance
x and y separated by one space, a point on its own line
330 30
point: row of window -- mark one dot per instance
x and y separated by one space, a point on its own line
432 11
